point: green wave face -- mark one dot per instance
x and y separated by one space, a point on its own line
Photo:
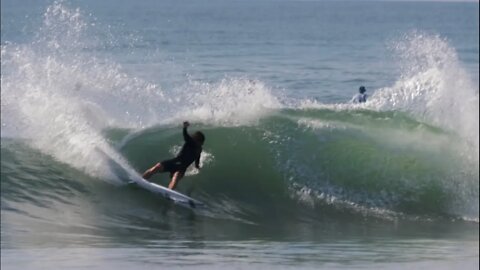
360 160
291 172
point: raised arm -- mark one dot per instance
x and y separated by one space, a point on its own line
186 136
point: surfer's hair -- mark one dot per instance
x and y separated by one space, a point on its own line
199 137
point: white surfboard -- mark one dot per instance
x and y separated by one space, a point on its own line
126 171
176 197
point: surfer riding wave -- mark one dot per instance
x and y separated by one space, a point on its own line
177 166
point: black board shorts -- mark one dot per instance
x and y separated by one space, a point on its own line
173 165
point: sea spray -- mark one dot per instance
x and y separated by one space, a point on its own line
435 91
60 99
229 102
433 87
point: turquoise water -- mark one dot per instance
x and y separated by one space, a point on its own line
294 176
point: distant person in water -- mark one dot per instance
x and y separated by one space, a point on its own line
177 166
361 97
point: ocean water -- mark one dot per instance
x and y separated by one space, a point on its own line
294 175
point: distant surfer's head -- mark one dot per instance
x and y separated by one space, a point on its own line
199 137
362 89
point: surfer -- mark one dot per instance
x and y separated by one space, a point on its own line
361 97
177 166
